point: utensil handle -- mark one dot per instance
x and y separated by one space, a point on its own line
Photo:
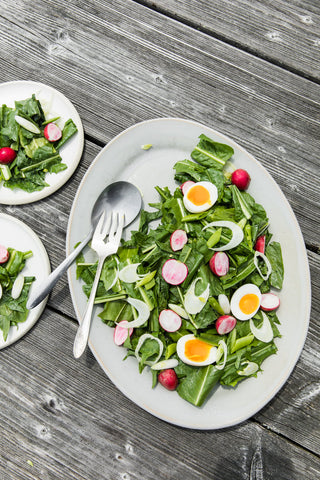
48 284
81 339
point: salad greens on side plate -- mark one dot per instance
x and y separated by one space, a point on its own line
138 286
14 290
27 153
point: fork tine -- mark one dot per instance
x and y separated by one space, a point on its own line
99 225
120 228
113 225
106 228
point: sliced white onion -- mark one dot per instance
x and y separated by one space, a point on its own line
179 310
128 274
17 286
141 341
263 333
143 313
225 354
31 127
193 303
249 369
164 364
237 234
265 259
0 290
224 303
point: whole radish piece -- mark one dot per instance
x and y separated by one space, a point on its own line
241 179
168 379
7 155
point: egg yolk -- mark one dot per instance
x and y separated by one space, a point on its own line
249 303
198 195
197 350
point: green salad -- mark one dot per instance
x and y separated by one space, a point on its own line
30 144
193 293
14 288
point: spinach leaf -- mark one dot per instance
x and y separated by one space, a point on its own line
211 154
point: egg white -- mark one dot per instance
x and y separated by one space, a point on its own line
181 352
237 296
213 194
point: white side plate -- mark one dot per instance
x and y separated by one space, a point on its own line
70 152
123 159
16 234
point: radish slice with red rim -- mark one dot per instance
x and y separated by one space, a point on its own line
269 301
186 185
219 264
4 254
164 364
178 240
174 272
169 320
266 261
225 324
143 313
141 341
237 234
121 334
263 333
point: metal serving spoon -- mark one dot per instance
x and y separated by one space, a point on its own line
118 196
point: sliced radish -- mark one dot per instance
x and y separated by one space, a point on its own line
269 301
241 179
266 261
143 313
237 234
168 379
7 155
31 127
224 303
186 185
178 240
128 274
164 364
194 303
4 254
141 341
121 334
225 324
219 264
263 333
260 244
169 320
17 286
224 347
179 310
249 368
174 272
52 132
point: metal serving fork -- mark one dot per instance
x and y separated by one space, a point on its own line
113 228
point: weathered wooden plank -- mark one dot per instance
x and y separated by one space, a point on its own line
144 65
67 418
284 32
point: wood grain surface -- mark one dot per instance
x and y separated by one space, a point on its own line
247 69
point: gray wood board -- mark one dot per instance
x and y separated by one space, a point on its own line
68 419
286 33
156 67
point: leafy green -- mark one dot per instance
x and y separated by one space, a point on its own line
13 311
149 247
36 156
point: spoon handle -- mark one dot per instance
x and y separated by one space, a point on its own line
54 276
81 339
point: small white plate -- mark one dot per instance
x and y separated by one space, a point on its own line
16 234
172 140
70 152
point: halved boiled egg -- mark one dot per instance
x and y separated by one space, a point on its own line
245 301
200 197
193 351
